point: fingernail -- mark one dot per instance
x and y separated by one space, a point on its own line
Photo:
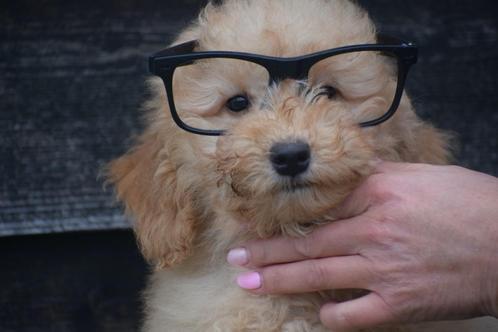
249 280
237 256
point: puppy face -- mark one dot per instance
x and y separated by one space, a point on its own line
327 151
292 151
320 113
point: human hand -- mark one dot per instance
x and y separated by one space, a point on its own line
423 240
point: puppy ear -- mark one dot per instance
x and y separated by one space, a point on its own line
419 141
146 182
433 146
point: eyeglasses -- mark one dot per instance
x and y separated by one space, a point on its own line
208 91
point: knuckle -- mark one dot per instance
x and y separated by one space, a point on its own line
376 184
258 252
379 186
382 235
346 320
271 280
378 230
305 247
326 317
317 277
337 319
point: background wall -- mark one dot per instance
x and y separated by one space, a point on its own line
71 81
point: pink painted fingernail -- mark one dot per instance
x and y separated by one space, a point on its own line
249 280
237 256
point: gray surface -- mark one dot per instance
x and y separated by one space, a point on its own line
71 82
70 87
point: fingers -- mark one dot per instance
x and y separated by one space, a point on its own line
340 238
362 313
369 193
357 203
377 188
311 275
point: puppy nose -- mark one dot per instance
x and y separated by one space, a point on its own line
290 159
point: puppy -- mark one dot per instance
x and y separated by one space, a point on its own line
291 150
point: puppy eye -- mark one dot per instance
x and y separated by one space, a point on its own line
326 90
238 103
329 91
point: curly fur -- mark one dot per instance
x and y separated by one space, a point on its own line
194 197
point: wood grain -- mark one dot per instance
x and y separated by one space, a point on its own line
72 80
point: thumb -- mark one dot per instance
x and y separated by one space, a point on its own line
365 312
373 189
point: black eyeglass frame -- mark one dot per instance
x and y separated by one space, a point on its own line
164 63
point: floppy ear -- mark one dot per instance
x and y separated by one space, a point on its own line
146 183
433 146
419 141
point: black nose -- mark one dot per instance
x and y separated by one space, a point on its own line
290 159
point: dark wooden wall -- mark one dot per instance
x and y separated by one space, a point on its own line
71 80
85 281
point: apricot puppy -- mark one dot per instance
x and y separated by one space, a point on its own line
262 120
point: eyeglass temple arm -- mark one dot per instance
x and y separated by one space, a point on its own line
390 40
183 48
189 46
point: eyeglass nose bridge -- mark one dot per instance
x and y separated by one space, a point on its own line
296 70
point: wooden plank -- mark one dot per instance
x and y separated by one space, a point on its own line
71 83
85 281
